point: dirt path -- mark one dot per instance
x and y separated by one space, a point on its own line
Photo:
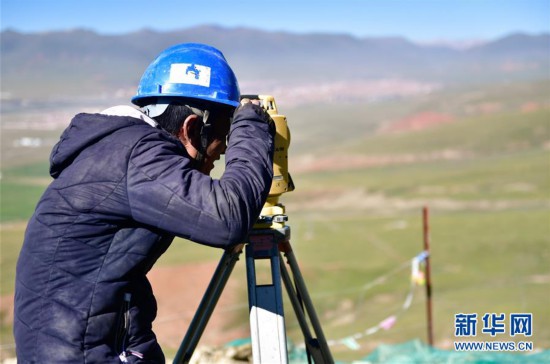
179 290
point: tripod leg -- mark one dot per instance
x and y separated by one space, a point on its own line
267 328
207 304
319 348
298 310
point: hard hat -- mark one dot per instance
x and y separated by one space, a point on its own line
189 70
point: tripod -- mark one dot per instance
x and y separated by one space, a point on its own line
269 239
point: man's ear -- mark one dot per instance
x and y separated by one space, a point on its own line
190 134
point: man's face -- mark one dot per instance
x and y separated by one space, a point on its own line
218 137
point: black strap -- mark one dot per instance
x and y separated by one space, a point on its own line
205 137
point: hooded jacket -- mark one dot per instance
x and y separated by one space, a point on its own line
122 190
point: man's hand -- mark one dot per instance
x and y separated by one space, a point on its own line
255 104
254 101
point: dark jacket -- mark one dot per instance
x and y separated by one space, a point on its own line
122 190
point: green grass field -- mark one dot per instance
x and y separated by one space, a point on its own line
481 262
490 225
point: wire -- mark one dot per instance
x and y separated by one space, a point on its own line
351 340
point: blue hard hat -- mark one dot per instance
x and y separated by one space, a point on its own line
192 71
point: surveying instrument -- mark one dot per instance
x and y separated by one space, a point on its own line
268 240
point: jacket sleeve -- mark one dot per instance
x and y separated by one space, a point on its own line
164 190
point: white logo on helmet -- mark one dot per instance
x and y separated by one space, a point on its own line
190 74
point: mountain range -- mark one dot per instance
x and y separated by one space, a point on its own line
83 63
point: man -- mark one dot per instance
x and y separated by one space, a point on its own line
126 182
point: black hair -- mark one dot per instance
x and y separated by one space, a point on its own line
179 109
173 117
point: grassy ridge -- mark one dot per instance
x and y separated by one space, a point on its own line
500 157
322 128
483 135
520 176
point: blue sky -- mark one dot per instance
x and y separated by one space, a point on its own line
419 20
